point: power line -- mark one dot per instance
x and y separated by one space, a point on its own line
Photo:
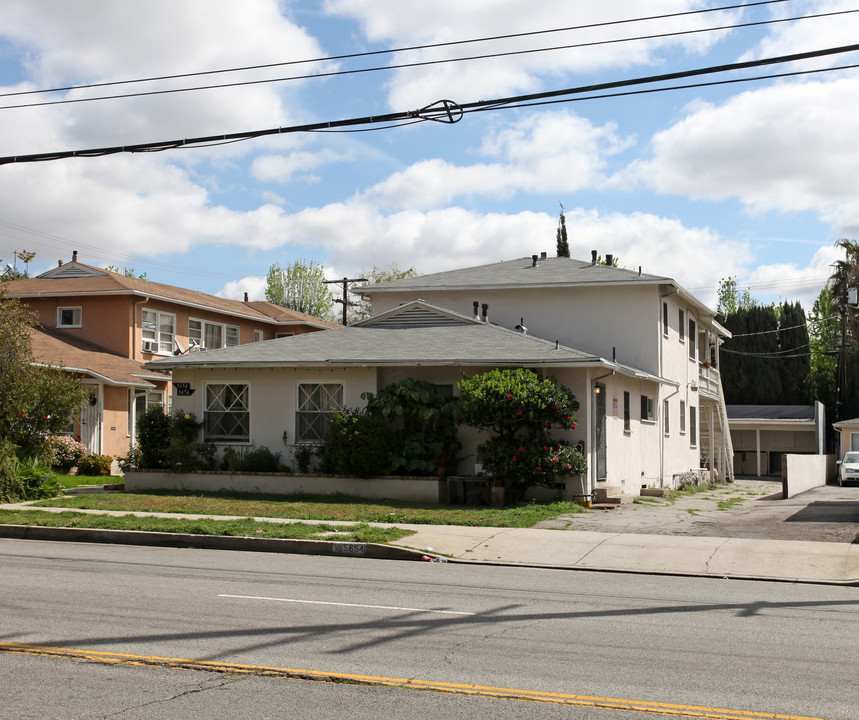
445 111
393 51
423 63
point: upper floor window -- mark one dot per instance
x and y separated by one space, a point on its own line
647 408
69 317
693 426
693 336
625 411
665 417
211 335
682 417
682 325
159 331
258 336
665 318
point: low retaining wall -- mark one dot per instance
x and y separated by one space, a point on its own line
417 489
804 472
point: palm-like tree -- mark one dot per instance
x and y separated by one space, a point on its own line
846 275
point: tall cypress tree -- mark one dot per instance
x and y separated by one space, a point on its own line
562 245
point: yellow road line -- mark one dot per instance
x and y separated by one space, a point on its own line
690 711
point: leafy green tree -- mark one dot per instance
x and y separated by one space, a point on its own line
795 349
301 287
421 419
730 299
35 401
563 246
364 307
520 410
824 340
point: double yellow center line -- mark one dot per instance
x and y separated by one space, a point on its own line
670 709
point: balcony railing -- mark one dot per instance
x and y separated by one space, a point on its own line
708 379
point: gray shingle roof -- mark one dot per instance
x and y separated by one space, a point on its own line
551 272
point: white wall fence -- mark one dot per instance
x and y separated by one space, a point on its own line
804 472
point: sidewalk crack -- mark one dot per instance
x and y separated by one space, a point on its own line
713 554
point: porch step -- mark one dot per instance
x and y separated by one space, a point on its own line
602 492
619 499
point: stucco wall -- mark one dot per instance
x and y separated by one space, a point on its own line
805 472
414 489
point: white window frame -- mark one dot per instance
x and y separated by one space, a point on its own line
236 402
682 417
258 336
313 413
666 415
150 399
693 426
854 441
647 409
199 334
681 316
163 339
693 339
665 318
77 317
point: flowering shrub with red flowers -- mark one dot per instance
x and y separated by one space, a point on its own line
521 409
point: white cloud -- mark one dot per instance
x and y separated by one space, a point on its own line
547 152
416 22
789 147
282 168
253 286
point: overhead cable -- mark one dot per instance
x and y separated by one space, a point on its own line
393 51
444 111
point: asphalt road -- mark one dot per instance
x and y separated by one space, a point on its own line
591 640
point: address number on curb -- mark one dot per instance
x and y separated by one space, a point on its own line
350 548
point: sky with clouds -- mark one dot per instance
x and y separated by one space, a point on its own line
749 179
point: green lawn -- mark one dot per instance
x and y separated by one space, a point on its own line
304 507
245 527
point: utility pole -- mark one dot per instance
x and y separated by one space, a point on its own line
345 302
842 354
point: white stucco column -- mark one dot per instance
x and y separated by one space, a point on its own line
758 449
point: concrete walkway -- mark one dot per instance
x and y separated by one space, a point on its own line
627 551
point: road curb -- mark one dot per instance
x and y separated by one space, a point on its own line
211 542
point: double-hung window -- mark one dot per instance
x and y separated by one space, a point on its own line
226 414
159 329
647 408
682 417
693 426
316 404
681 325
665 417
625 411
69 317
693 336
212 336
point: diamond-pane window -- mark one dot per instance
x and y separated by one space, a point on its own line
226 417
317 403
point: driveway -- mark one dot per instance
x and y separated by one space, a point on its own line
747 508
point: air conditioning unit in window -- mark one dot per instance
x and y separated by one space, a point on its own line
150 346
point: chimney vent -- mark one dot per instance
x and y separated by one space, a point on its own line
521 327
246 297
609 259
543 255
593 257
476 310
59 263
74 255
533 261
485 308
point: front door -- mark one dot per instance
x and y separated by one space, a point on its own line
599 431
91 419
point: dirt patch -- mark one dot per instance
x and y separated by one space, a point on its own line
743 509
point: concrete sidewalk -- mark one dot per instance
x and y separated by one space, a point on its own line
720 557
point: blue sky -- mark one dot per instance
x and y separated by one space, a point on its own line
754 180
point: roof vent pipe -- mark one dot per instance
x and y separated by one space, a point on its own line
476 310
639 271
485 308
557 344
246 297
521 327
74 255
609 259
59 263
542 255
593 257
533 261
614 354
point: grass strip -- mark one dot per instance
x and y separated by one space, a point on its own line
320 507
246 527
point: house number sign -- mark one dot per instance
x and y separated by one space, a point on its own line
183 389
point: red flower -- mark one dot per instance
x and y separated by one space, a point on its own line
539 468
518 412
574 426
569 467
509 397
545 422
21 415
457 421
569 416
554 459
514 458
521 449
555 407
